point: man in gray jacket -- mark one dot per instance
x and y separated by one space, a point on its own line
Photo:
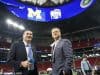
62 54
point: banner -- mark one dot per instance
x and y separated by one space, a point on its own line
46 14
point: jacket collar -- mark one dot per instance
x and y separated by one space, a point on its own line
55 42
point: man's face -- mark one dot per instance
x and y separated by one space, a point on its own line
27 36
56 33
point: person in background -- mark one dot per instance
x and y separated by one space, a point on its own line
62 54
23 55
86 66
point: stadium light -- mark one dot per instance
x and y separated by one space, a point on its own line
9 21
15 24
22 27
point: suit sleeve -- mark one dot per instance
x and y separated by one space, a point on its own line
12 57
68 54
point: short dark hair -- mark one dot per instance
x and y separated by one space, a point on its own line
55 28
26 30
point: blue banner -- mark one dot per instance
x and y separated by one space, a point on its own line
46 14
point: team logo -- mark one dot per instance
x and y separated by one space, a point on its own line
35 14
55 14
86 3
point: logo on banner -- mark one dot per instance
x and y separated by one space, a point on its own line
85 3
35 14
55 14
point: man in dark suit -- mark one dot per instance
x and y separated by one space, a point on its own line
61 54
23 56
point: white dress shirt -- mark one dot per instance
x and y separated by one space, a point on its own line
54 44
29 55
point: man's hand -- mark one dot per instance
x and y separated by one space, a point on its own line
29 64
25 64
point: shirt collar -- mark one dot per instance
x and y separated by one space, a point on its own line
26 44
55 42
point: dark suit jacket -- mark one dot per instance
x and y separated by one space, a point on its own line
18 54
63 56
